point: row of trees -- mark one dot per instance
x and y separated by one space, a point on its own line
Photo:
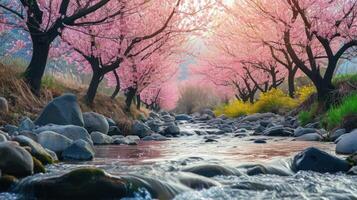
261 43
134 44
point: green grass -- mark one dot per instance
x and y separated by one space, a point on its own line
351 78
335 115
51 83
306 117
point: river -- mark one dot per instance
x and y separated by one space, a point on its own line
157 159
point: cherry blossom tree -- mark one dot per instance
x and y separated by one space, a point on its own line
131 38
45 21
311 32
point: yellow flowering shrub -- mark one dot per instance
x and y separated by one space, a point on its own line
235 108
303 93
274 100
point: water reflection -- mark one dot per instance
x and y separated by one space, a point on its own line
232 151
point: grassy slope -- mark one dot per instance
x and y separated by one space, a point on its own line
23 103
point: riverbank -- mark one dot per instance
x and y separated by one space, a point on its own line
53 156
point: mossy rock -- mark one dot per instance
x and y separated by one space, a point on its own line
35 149
38 166
86 183
352 159
6 182
93 183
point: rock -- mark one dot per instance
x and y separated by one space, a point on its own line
310 137
347 143
208 112
129 140
154 115
258 116
205 117
36 149
140 129
183 117
209 170
337 133
100 138
260 141
302 131
26 124
350 122
114 130
313 159
54 141
352 159
38 166
7 182
29 134
95 122
80 150
70 131
110 121
11 129
172 130
92 183
277 131
3 138
155 125
63 110
210 140
313 125
223 117
352 171
256 170
155 137
4 106
15 160
52 154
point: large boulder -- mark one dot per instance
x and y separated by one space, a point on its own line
313 159
347 143
36 149
79 150
140 129
92 183
310 137
100 138
70 131
54 141
15 160
4 106
63 110
95 122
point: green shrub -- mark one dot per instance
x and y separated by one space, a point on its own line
305 117
352 78
334 116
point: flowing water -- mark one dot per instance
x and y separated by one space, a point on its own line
163 160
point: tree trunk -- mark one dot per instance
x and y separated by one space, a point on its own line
35 70
291 84
138 102
117 87
93 87
129 98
